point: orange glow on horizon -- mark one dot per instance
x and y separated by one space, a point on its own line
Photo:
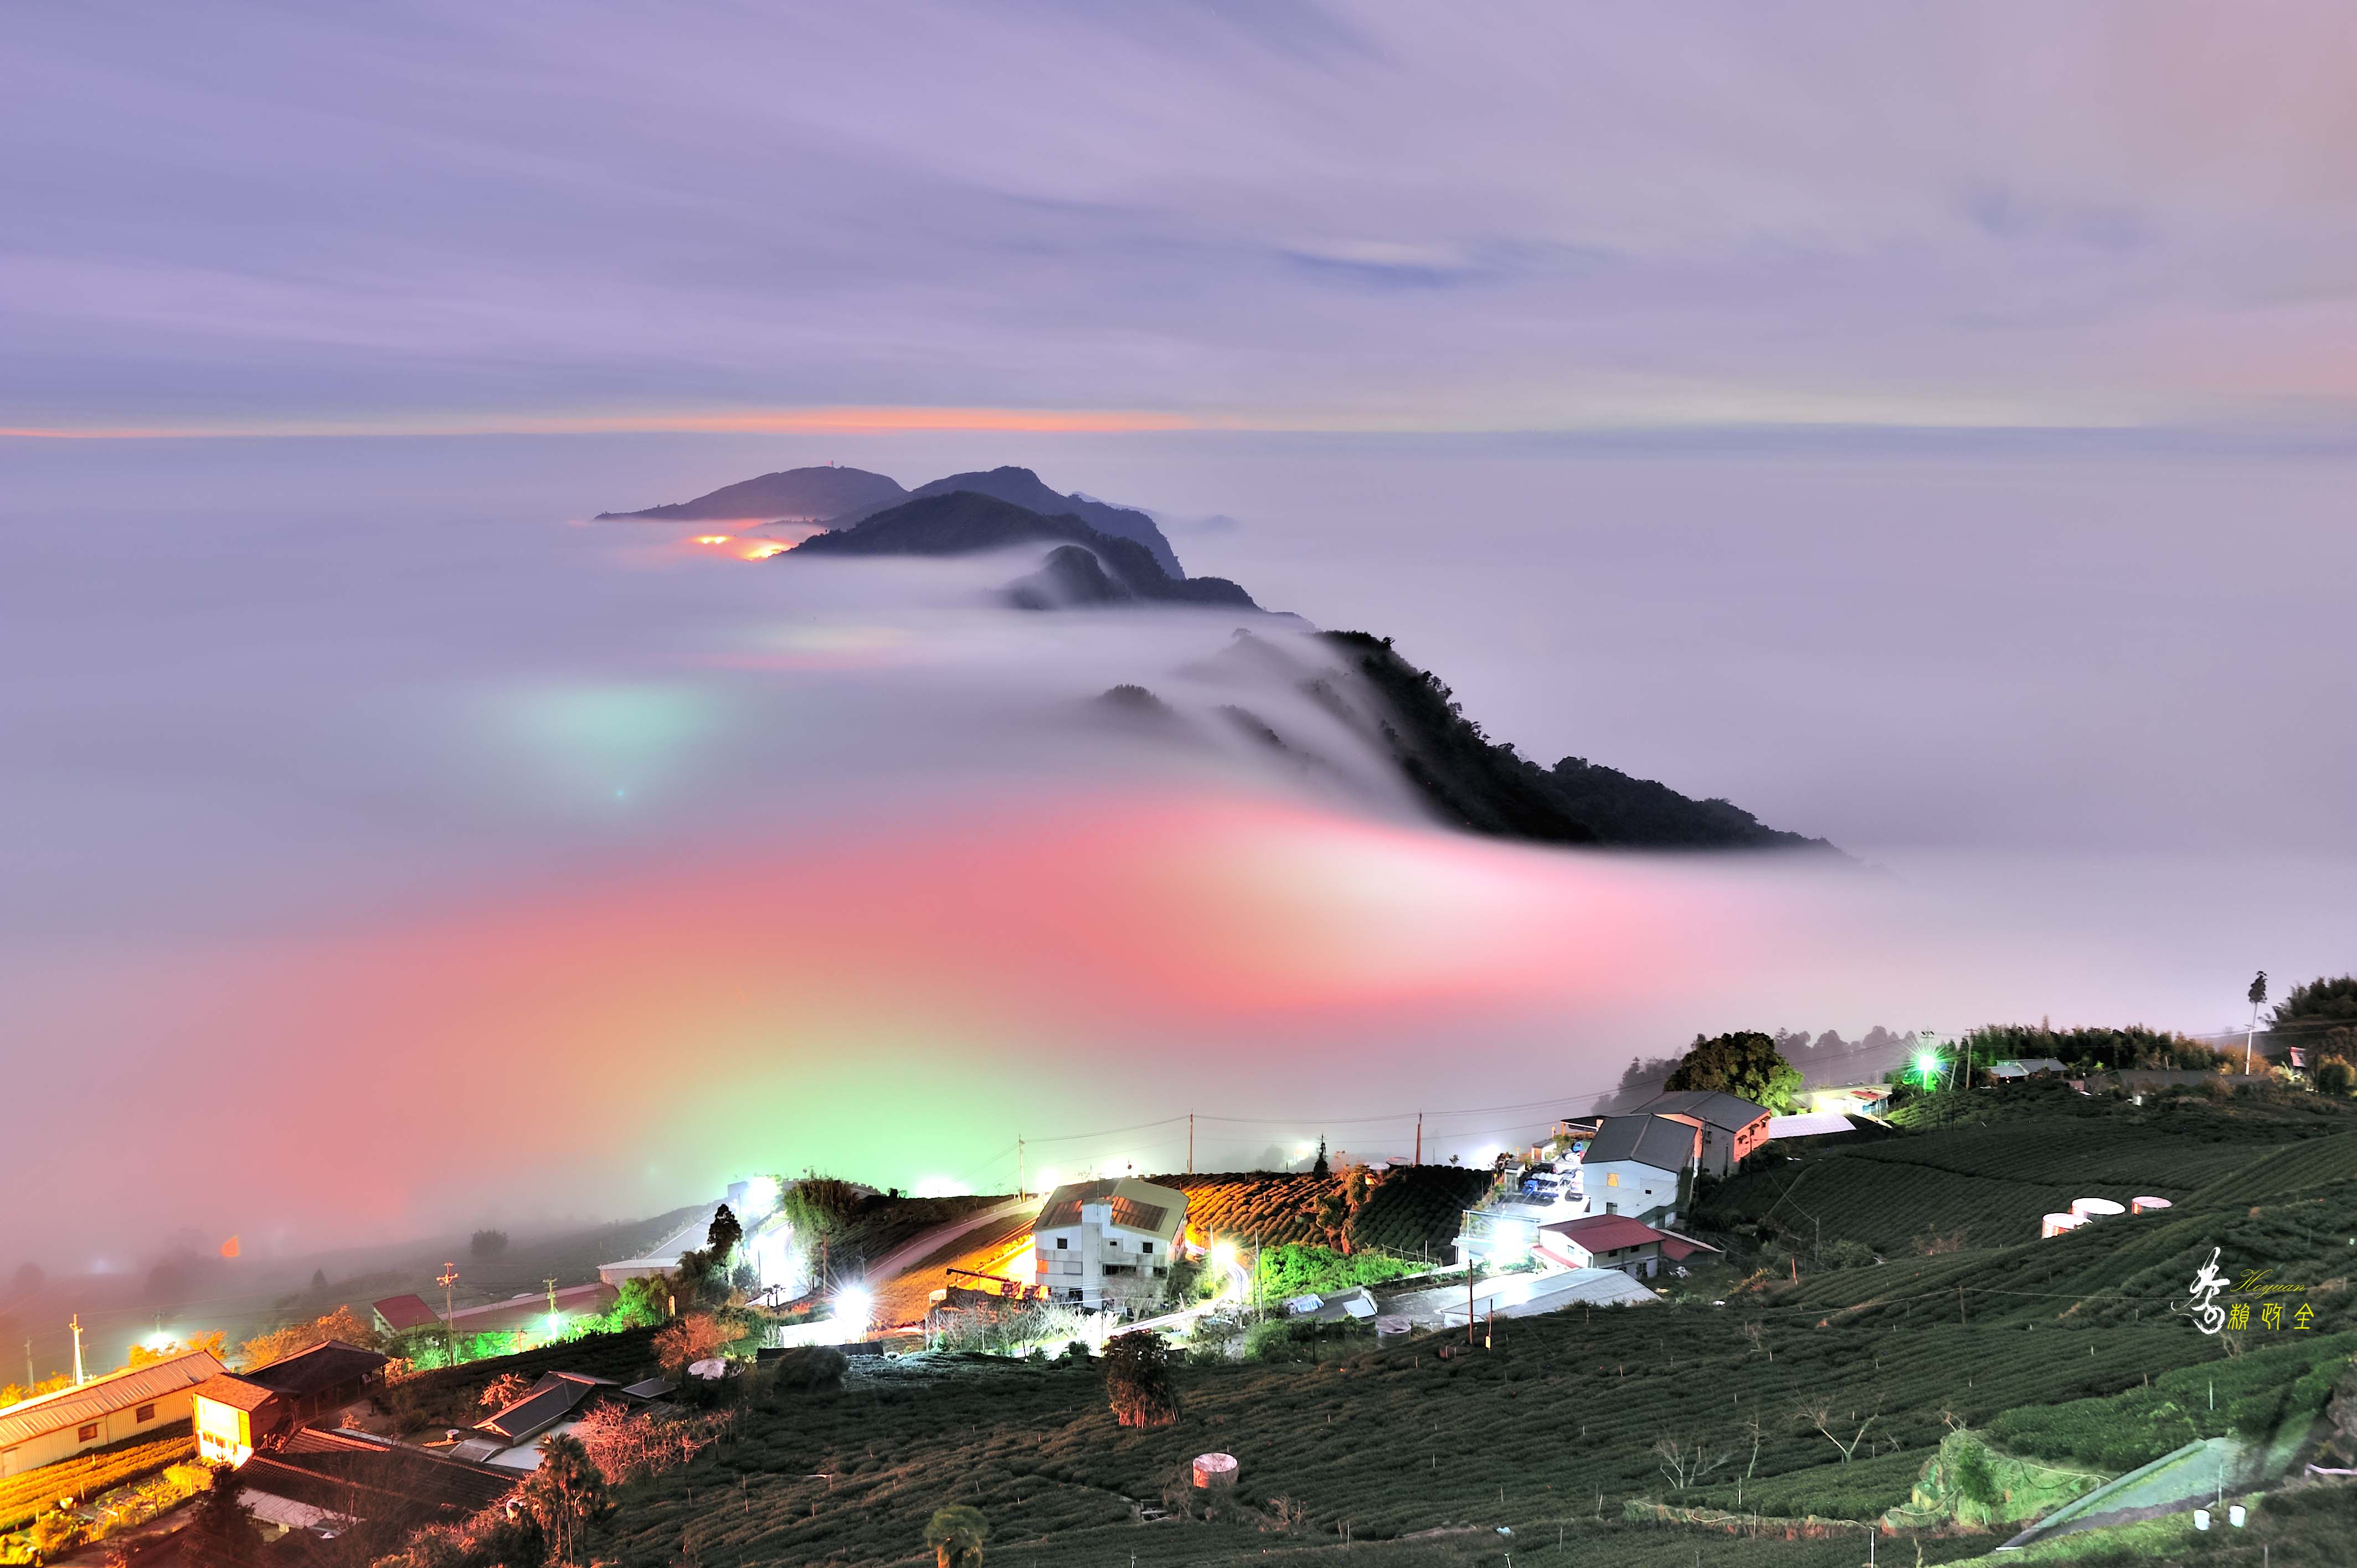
713 538
819 421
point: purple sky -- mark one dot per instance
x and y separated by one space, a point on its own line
1928 427
469 217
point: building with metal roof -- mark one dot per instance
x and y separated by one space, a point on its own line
400 1312
322 1478
1640 1165
103 1410
532 1318
1615 1242
1108 1242
237 1413
1732 1127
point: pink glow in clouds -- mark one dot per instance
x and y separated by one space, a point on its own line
899 1001
892 1001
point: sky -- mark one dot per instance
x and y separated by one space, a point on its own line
1391 217
1929 429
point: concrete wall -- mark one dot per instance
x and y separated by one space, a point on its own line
1625 1187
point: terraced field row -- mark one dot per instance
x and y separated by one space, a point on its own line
86 1474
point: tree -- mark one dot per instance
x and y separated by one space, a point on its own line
2335 1076
142 1355
1686 1464
281 1343
563 1497
487 1243
956 1533
1821 1418
2313 1008
1137 1379
1745 1064
1318 1168
318 1279
504 1390
695 1336
721 1240
220 1522
639 1303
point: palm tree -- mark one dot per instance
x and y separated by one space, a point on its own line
956 1534
563 1495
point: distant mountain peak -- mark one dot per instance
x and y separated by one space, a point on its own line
960 521
1027 489
824 494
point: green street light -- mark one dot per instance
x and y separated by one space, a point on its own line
1927 1067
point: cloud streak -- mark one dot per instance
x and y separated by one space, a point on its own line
435 217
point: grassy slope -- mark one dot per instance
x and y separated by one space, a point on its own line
2028 1152
1553 1427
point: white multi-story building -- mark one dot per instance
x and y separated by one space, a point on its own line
1108 1243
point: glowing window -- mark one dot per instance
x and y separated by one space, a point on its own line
87 1433
1613 1178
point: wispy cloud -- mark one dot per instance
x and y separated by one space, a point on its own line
255 219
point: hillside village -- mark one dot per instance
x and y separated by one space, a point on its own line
2051 1295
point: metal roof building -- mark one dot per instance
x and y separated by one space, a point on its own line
43 1430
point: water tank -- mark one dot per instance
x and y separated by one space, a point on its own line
1392 1328
2146 1204
2055 1224
2096 1207
1215 1469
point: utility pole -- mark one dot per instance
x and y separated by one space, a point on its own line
29 1379
551 1285
1021 1190
1191 1142
2251 1034
76 1327
448 1278
1419 1137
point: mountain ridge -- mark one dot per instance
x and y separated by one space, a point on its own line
960 523
1461 776
1028 490
789 495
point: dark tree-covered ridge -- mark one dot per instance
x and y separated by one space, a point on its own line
1488 787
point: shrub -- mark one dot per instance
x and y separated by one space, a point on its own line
1272 1340
2334 1076
697 1336
1975 1479
1850 1254
809 1368
487 1243
56 1532
1137 1379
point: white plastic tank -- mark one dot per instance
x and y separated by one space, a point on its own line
1215 1469
2096 1207
2148 1205
2055 1224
